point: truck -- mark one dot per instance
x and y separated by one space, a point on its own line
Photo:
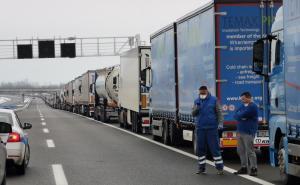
69 95
86 96
77 85
134 86
106 94
276 59
210 46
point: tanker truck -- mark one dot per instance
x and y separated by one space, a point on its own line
106 94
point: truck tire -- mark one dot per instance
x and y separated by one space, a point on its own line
133 121
121 119
175 135
165 136
286 178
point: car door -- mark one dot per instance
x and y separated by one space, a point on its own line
5 129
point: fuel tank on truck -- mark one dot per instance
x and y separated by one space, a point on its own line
107 84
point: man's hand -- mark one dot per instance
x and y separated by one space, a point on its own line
195 110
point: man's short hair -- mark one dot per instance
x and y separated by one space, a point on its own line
203 88
246 94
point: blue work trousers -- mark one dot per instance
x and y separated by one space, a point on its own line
208 138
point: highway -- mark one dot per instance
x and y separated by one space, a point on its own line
71 149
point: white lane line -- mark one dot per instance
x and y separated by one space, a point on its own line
230 170
44 123
45 130
42 119
59 174
50 143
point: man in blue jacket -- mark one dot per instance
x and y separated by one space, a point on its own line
247 117
209 118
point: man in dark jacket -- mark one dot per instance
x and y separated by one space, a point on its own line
247 117
209 118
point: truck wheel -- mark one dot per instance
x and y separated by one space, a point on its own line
133 125
121 119
175 135
286 178
166 133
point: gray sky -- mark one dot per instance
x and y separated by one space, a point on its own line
81 18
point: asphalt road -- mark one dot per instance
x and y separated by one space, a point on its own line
85 152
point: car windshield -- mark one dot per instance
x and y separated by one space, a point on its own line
6 117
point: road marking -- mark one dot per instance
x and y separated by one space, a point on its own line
42 119
45 130
59 174
50 143
44 123
230 170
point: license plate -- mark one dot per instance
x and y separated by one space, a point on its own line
261 141
229 142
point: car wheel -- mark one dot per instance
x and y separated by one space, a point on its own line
4 179
21 170
27 156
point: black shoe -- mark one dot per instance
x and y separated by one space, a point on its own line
241 171
253 172
201 171
220 172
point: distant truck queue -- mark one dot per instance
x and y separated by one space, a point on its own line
230 46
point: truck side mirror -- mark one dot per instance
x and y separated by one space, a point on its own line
258 57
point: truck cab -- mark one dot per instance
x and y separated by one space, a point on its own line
275 58
277 122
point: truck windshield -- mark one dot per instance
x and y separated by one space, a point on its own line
6 118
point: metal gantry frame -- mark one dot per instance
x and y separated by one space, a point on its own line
85 46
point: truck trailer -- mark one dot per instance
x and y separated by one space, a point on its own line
210 46
69 95
106 94
86 96
135 82
77 93
276 58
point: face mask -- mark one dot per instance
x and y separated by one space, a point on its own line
203 96
246 104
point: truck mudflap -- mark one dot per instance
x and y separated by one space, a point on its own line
145 122
229 139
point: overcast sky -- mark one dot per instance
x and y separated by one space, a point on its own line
25 19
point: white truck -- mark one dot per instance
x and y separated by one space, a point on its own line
86 99
106 94
135 82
